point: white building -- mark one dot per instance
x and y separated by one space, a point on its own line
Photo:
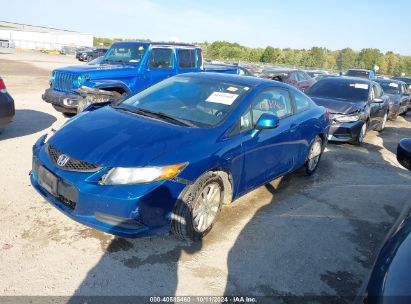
38 37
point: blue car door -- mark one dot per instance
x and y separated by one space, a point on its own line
161 64
268 153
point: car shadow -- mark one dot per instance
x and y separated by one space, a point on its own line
135 269
27 122
318 237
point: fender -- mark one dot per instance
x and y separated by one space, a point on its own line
107 84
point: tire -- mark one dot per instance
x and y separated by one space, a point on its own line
362 134
186 220
314 156
89 58
384 121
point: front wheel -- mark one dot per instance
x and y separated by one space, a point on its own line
198 207
361 136
314 156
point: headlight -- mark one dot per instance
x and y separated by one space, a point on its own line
126 176
346 118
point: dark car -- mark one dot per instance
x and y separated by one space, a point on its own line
297 78
356 105
361 73
407 80
390 278
90 55
228 69
7 110
399 96
169 156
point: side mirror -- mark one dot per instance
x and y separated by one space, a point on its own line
404 153
267 121
378 100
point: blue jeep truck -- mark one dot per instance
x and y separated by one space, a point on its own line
126 68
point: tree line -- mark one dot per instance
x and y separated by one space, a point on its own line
389 63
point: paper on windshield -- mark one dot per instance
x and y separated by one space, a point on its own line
221 97
394 85
363 86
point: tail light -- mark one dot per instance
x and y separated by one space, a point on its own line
2 86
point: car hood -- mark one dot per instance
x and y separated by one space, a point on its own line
109 137
101 70
339 106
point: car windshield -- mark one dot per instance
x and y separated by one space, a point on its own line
199 102
349 91
358 73
132 53
390 87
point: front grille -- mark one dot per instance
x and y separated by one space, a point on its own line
72 164
63 82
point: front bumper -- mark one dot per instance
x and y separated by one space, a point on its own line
345 132
62 101
127 211
7 110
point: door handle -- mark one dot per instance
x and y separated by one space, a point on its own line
293 127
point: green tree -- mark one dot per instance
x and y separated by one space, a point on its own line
346 59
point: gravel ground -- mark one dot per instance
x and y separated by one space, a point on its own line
298 235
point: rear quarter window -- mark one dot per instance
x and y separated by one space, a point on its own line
301 101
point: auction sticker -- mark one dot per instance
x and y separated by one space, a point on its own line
359 86
221 97
394 85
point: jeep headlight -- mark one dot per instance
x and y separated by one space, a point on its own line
346 118
139 175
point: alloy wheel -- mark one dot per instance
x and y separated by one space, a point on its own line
314 156
362 132
384 121
206 207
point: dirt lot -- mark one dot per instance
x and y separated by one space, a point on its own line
296 236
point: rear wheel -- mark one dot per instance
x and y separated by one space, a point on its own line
198 207
314 156
383 123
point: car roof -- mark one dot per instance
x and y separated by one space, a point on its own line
347 79
279 70
243 80
356 69
389 81
168 44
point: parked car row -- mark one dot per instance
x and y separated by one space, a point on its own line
90 54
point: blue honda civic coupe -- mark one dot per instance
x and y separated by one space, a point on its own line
168 158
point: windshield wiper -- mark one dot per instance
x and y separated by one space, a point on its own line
154 114
166 116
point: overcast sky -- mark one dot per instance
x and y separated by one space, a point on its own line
334 24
